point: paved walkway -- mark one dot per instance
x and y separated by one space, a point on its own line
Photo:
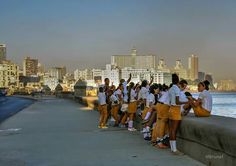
58 132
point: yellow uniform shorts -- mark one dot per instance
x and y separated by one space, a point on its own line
132 107
175 113
162 110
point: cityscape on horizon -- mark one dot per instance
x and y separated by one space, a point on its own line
33 76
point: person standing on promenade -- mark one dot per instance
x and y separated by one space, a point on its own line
102 108
132 106
162 107
174 113
115 106
106 90
203 105
124 107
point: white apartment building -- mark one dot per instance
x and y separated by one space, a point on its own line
85 74
9 74
113 73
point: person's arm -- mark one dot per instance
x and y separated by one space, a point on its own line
179 102
130 76
151 81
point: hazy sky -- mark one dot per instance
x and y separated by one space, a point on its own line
85 33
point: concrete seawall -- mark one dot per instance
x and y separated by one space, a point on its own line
210 140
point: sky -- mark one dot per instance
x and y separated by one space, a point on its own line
85 33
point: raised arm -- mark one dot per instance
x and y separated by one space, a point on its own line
151 81
129 78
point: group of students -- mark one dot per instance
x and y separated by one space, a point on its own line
161 107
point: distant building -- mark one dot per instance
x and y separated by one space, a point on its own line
209 77
113 73
57 72
180 70
50 81
162 66
193 67
226 85
30 67
201 76
97 75
162 78
133 60
9 74
85 74
3 52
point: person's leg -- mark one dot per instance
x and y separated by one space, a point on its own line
105 114
174 125
124 118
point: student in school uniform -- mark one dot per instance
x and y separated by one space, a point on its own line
162 107
185 108
150 101
132 106
114 107
124 107
102 108
174 113
203 105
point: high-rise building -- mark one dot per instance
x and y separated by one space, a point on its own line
57 72
30 67
201 76
193 67
3 52
9 74
133 60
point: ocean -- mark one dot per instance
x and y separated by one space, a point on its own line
224 104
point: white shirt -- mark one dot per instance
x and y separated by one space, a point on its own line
206 98
165 97
173 93
118 92
182 98
150 100
102 98
132 95
143 93
125 92
114 100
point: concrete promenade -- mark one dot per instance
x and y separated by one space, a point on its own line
59 132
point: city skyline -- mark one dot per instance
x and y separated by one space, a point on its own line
72 33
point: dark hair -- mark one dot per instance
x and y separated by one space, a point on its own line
101 89
152 88
144 83
206 83
188 94
106 79
165 87
182 82
130 87
175 78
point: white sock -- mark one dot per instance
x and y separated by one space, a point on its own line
147 115
147 128
171 145
174 146
145 133
130 124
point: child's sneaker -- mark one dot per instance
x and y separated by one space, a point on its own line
99 126
104 127
132 129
